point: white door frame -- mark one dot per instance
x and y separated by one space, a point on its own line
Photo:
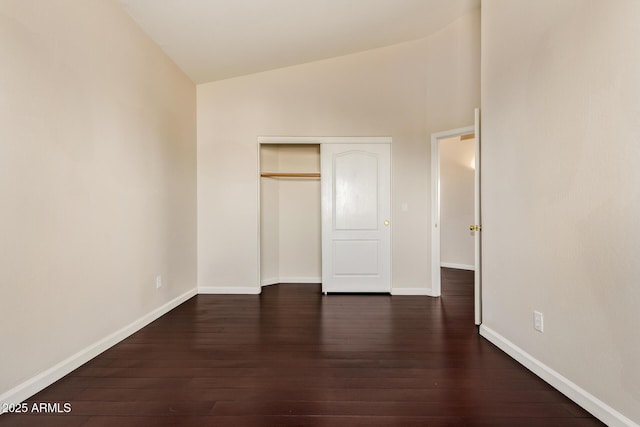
436 290
316 140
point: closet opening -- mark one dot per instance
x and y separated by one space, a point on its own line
290 214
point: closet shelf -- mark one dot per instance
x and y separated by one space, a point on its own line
289 175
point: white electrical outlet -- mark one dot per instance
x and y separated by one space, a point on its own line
158 281
538 321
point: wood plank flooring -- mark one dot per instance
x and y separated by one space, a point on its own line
293 357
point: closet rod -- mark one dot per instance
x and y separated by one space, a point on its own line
289 175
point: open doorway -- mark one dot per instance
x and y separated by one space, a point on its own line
457 166
290 227
455 189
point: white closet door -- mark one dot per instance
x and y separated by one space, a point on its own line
356 217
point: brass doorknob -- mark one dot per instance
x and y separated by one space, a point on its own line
472 227
386 222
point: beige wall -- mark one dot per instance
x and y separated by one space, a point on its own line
561 193
457 177
405 91
97 180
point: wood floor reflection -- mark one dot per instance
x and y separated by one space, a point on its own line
293 357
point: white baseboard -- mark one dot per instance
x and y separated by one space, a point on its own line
411 291
44 379
458 266
595 406
231 290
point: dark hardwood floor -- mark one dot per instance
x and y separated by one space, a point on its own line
293 357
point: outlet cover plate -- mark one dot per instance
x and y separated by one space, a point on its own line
538 321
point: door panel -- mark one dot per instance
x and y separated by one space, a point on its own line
359 257
356 208
356 191
477 285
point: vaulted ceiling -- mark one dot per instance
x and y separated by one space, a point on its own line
218 39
